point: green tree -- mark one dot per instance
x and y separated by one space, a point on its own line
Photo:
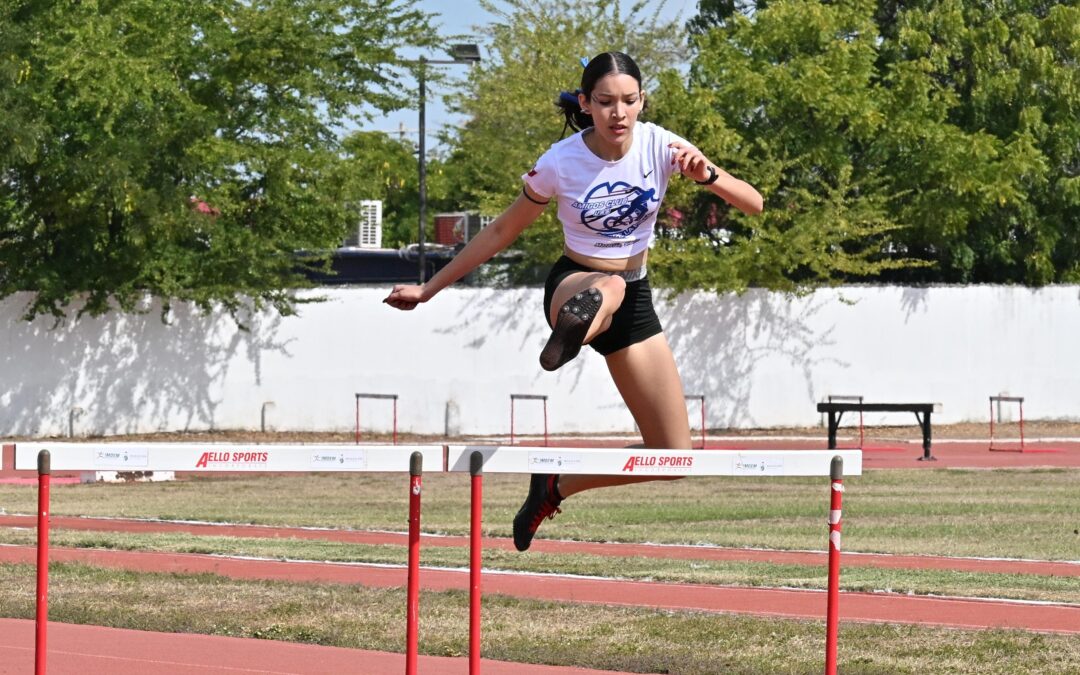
533 52
386 169
113 113
955 119
983 139
789 99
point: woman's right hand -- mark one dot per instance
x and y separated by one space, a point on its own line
405 297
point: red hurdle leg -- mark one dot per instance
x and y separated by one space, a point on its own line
412 628
476 468
42 618
832 614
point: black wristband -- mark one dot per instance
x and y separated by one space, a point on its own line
712 177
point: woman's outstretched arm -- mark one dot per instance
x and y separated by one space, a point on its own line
695 165
498 235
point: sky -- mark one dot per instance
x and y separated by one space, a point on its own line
460 17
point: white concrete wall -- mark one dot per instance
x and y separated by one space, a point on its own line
762 359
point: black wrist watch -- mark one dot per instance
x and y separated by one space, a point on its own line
712 177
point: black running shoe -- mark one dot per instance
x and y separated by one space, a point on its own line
571 326
542 502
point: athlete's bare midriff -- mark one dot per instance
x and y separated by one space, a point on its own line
608 264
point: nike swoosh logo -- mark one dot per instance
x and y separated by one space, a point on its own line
649 174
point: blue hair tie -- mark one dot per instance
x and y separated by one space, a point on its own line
584 62
569 98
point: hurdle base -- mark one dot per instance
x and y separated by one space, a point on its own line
126 476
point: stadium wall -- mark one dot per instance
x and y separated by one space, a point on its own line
762 359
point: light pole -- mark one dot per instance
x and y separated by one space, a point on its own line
462 54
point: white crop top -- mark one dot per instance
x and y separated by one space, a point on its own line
607 209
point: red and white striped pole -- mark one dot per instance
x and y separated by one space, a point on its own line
41 623
412 627
476 469
832 613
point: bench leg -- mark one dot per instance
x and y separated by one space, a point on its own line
834 424
924 423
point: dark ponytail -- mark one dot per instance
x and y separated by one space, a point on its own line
601 66
576 118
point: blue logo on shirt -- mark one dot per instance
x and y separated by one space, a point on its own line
615 210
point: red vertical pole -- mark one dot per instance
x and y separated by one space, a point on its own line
832 613
412 627
511 419
476 468
395 420
545 423
358 419
42 619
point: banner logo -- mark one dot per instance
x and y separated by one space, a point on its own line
219 459
657 463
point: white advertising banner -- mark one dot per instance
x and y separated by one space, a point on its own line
638 462
226 457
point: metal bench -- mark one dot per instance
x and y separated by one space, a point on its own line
836 410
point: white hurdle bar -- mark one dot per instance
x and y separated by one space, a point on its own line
641 462
477 459
227 457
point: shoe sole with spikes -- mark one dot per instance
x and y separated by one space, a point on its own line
571 326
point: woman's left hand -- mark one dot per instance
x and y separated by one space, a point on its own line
692 162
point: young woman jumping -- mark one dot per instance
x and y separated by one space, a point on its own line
608 181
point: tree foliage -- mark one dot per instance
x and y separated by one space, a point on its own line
984 138
883 134
113 113
931 141
385 168
789 100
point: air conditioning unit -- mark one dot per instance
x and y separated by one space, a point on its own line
458 228
369 231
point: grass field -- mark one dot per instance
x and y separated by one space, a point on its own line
1031 514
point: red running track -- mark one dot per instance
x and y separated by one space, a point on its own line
94 650
868 607
110 651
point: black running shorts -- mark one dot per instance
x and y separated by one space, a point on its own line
634 321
